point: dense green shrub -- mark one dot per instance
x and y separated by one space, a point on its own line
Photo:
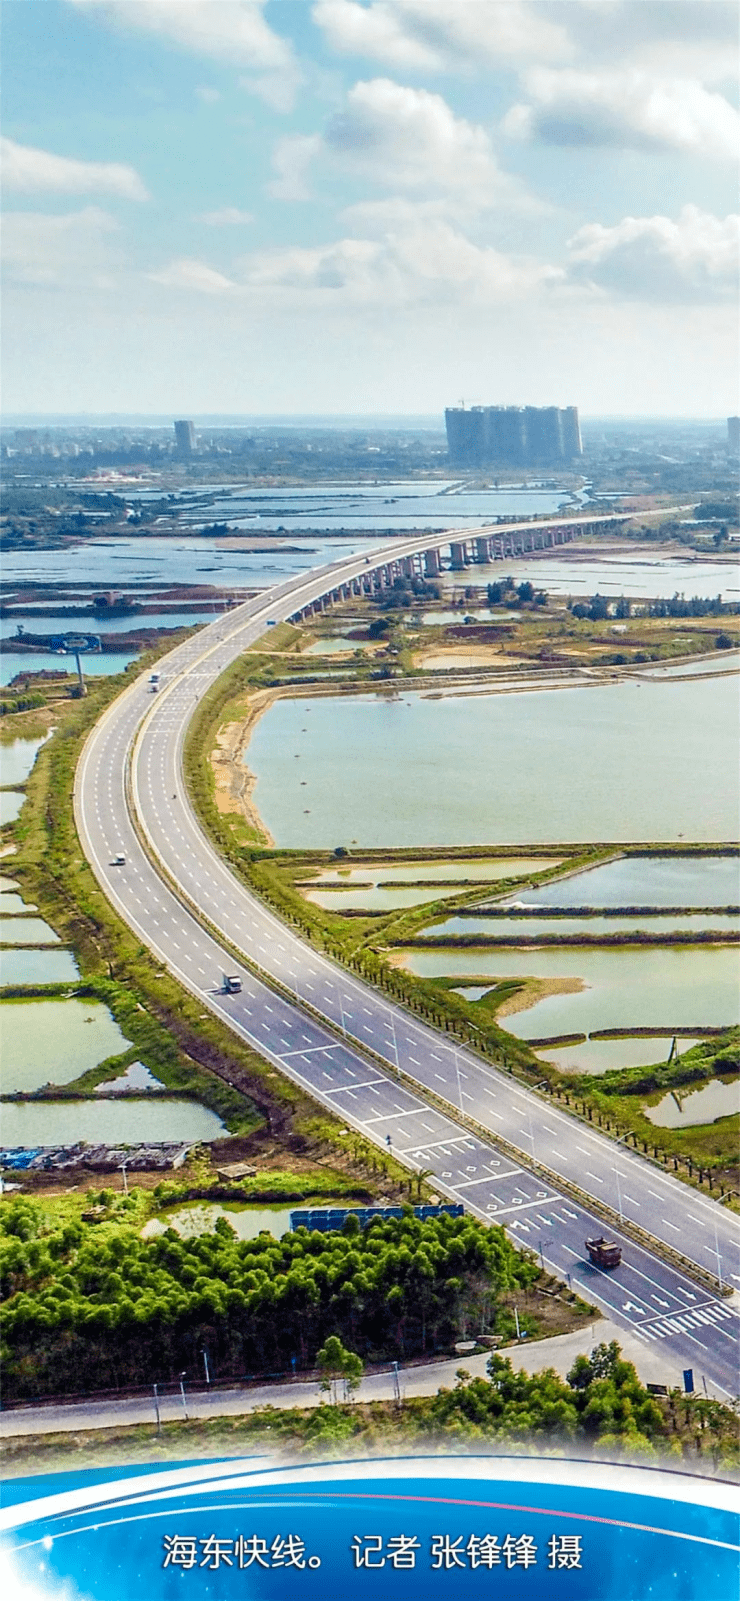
91 1309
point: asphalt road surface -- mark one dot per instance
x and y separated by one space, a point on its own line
171 890
558 1352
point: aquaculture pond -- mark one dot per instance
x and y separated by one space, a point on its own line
377 898
44 966
680 1110
576 764
95 665
12 903
622 987
117 1121
335 644
54 1041
637 576
552 928
604 1056
642 881
17 757
724 661
11 801
473 869
26 931
202 1217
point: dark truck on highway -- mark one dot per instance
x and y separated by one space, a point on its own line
604 1253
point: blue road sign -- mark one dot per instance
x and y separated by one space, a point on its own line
74 643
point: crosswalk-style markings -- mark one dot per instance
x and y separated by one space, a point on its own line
699 1317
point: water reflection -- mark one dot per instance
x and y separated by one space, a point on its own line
108 1122
26 931
37 967
643 881
679 986
201 1218
53 1042
679 1109
574 764
606 1056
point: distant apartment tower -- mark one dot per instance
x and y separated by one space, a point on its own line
515 436
733 434
185 437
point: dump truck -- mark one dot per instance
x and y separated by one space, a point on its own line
604 1253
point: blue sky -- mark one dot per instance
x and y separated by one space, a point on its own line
369 206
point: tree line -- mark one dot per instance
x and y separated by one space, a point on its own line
90 1308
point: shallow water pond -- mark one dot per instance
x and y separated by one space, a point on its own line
677 1110
635 575
26 931
472 869
46 966
648 987
336 644
604 1056
11 801
587 927
377 899
53 1042
96 666
723 661
562 764
11 904
643 881
108 1122
202 1216
17 758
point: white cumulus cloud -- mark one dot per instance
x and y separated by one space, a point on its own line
440 35
75 251
292 159
681 38
234 32
416 259
26 170
410 139
694 258
226 217
192 275
633 109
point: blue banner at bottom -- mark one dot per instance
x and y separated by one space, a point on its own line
417 1528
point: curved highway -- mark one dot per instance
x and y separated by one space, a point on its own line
329 1031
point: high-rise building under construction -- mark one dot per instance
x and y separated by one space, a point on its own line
516 436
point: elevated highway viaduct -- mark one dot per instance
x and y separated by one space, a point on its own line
510 1156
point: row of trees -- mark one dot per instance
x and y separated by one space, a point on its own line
506 593
89 1308
599 607
601 1403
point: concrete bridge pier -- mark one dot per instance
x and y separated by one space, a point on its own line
431 563
459 556
483 550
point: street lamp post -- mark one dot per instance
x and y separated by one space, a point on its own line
459 1084
719 1258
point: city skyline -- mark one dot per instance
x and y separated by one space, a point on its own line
335 207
